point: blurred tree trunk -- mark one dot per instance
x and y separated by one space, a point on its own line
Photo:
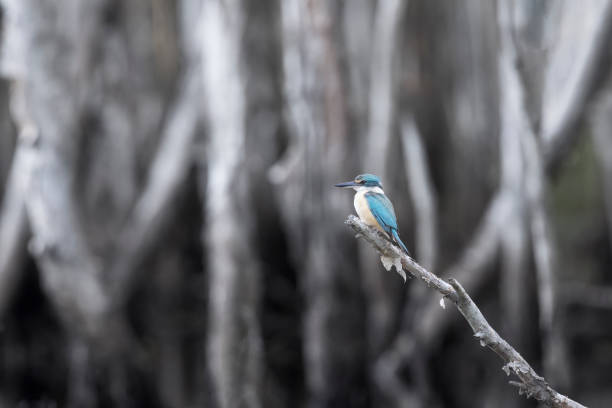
49 138
234 348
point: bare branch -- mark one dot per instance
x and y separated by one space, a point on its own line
385 248
471 268
531 384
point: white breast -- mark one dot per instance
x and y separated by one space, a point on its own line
363 209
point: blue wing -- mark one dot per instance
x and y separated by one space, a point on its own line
382 210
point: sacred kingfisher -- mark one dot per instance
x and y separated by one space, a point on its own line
373 207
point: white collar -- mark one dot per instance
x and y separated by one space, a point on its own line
365 189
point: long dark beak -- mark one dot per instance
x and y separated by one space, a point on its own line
346 184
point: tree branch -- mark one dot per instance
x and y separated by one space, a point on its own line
530 383
473 265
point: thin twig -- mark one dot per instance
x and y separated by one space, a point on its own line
530 383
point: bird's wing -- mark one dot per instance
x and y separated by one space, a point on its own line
382 210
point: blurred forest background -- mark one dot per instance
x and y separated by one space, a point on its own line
170 236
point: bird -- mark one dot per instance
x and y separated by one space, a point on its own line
373 207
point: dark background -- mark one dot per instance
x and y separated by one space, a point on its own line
170 236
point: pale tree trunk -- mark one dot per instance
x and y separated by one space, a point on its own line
46 108
234 346
48 140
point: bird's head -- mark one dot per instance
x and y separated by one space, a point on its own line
368 181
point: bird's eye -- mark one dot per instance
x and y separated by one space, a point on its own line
360 181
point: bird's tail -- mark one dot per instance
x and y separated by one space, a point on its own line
397 239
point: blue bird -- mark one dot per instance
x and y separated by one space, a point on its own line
373 206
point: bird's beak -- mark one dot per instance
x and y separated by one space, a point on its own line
346 184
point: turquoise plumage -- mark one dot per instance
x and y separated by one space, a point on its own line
383 211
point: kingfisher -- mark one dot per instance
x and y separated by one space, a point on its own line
373 207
